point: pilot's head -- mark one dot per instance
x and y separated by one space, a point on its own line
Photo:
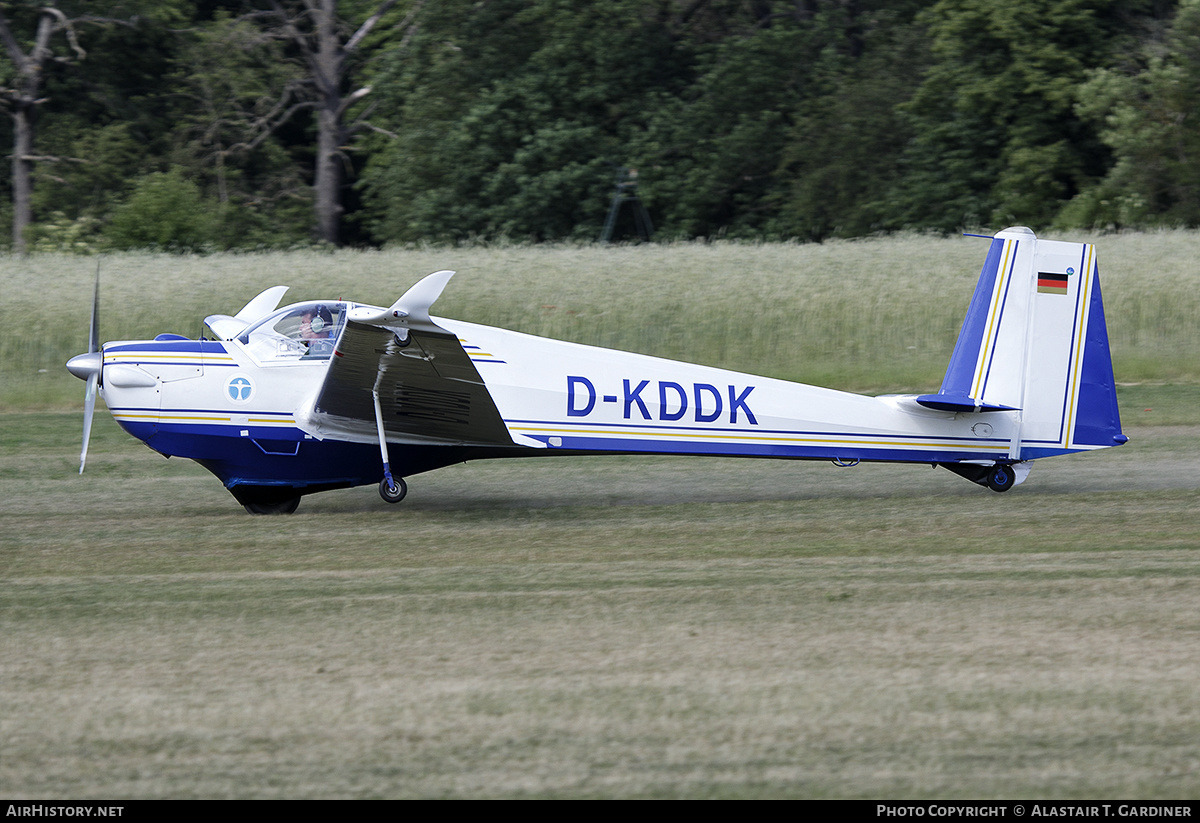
316 322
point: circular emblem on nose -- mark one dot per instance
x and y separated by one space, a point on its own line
239 388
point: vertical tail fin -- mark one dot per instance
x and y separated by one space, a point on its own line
1034 343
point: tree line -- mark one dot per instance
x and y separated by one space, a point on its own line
194 124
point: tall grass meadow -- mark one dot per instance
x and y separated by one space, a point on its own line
875 315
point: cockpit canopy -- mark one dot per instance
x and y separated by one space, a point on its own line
305 331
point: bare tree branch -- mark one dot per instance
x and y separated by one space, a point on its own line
350 99
372 21
10 43
363 124
264 133
66 26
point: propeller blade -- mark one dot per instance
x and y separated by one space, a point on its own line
89 408
94 329
93 376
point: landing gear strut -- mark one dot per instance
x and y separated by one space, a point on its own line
391 489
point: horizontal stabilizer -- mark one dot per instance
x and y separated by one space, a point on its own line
960 404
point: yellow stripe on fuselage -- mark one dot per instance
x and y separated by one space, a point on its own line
193 417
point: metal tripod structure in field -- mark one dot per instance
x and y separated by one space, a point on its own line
626 192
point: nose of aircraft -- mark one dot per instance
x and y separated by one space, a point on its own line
84 366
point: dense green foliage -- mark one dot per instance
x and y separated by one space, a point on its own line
462 120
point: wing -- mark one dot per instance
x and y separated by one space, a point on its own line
429 391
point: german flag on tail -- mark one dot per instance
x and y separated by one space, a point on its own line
1051 283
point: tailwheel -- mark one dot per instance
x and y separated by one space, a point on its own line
393 492
1001 478
285 506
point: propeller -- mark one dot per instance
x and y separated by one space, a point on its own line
87 367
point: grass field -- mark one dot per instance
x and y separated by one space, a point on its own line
608 627
604 627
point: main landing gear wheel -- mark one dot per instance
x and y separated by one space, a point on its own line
1001 478
394 493
286 506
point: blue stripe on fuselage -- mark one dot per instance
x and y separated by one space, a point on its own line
181 346
775 450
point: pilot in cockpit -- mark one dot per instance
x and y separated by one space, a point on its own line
316 325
